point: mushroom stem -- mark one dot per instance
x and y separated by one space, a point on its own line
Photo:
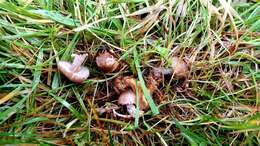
164 71
167 71
78 60
101 111
121 115
131 110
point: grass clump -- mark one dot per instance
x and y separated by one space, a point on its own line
217 104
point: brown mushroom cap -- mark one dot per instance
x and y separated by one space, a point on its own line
107 62
74 71
179 67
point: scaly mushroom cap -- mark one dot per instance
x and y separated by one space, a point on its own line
106 62
74 71
127 97
179 67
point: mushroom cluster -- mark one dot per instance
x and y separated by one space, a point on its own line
77 73
127 87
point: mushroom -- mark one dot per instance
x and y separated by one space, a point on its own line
179 68
106 108
74 71
107 62
127 87
136 86
124 83
128 98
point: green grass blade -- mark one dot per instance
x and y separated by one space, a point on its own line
67 105
56 16
147 95
12 110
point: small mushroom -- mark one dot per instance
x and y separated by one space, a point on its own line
179 67
124 83
107 62
136 86
127 87
128 98
74 71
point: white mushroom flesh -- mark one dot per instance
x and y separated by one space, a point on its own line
128 98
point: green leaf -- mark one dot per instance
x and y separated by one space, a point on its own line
55 81
34 120
25 35
56 16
